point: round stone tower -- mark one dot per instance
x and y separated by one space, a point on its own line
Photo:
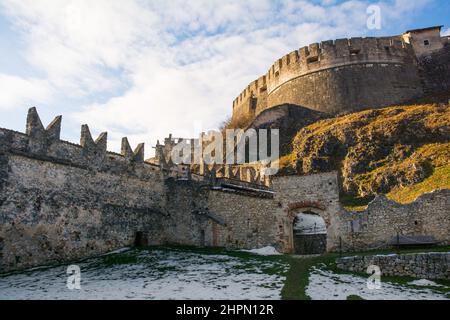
339 76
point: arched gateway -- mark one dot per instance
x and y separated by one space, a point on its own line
308 228
310 233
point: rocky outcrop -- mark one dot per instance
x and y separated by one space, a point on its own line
289 119
377 150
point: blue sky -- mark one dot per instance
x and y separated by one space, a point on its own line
143 69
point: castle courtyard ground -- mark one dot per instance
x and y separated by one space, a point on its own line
188 273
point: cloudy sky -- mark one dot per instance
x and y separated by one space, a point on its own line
143 68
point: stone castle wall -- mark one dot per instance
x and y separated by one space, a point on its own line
318 193
435 70
348 75
336 76
244 218
422 265
60 202
384 219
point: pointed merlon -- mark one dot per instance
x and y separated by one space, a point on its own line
86 137
237 174
53 130
228 171
221 171
126 150
86 140
35 128
34 124
102 141
137 155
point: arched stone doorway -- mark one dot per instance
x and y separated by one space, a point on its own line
309 233
311 238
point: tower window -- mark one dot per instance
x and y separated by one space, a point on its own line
253 102
426 42
312 59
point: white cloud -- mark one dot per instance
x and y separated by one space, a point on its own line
166 65
74 41
18 92
446 32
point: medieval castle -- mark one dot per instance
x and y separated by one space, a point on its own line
61 201
348 75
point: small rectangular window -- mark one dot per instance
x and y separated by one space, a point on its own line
312 59
253 103
426 42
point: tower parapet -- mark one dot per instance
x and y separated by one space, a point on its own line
45 144
343 75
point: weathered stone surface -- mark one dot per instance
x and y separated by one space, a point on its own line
348 75
423 265
289 119
385 219
65 201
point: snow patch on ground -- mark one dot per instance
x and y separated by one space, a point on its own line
153 274
117 251
326 285
310 224
265 251
424 283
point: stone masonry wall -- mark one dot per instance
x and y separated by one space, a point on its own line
348 75
336 77
384 219
435 70
351 88
422 266
60 201
249 221
218 217
318 193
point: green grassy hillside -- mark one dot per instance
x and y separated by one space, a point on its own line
401 151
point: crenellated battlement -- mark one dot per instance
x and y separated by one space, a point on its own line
248 175
343 75
338 53
44 143
322 56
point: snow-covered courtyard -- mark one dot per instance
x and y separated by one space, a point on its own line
326 285
172 273
154 274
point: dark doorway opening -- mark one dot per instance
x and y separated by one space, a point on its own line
140 239
310 235
202 238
